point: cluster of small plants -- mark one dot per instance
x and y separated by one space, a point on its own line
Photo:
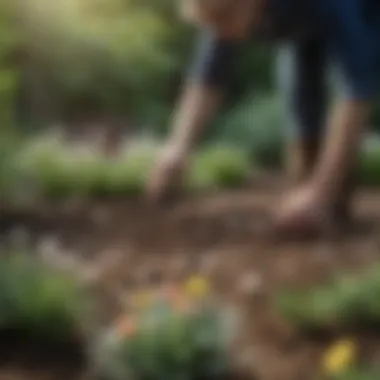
55 170
38 301
347 302
340 362
47 167
179 332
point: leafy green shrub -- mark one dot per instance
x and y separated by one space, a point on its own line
369 166
38 301
346 302
223 166
59 171
256 126
174 335
128 175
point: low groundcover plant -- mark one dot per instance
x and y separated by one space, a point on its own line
348 301
179 332
58 170
38 302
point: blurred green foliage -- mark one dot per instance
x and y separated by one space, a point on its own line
256 127
114 56
9 39
60 60
358 374
165 341
36 300
348 301
46 166
221 166
59 170
369 167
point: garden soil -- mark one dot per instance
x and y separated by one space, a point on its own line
120 245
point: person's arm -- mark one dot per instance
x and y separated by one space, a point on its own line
353 45
203 90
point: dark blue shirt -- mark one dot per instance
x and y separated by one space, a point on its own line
350 29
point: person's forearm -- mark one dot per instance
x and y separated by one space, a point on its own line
196 107
344 134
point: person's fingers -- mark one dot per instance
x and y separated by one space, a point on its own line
300 222
160 182
165 178
153 182
155 186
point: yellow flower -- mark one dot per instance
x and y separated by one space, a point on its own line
141 300
197 287
339 357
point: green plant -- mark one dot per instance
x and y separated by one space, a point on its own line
348 301
257 127
58 171
357 374
171 336
38 301
369 166
128 175
219 167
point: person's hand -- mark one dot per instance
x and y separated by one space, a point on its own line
303 212
167 174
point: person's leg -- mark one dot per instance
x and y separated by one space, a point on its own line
302 75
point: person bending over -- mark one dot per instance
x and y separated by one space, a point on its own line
311 35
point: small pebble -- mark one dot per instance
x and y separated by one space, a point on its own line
101 216
179 265
209 263
250 283
91 273
48 247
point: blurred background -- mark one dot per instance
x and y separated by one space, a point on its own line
109 71
92 66
87 89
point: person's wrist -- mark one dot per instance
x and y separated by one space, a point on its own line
180 148
324 187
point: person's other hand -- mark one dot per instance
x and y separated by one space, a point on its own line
168 173
303 212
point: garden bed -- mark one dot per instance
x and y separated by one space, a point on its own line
120 246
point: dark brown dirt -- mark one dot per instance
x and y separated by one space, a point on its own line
121 245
